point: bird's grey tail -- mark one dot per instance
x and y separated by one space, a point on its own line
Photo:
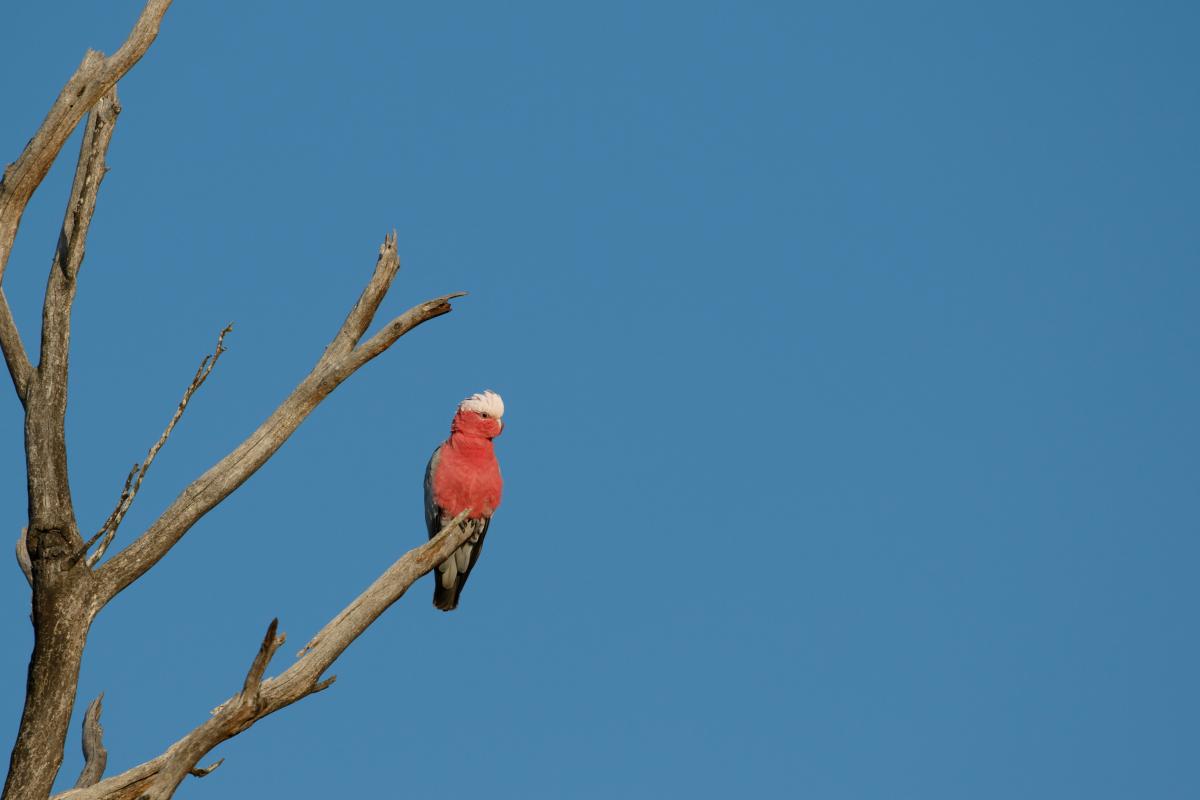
443 598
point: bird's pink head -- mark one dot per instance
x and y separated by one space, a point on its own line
479 415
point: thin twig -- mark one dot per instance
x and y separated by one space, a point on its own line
109 529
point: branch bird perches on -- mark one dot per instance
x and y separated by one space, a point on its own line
157 778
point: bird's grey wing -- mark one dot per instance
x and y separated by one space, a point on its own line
433 512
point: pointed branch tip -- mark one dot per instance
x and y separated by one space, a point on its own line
266 652
202 772
95 757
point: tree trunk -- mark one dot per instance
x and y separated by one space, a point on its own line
61 620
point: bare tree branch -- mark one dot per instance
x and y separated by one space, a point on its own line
95 757
399 326
23 556
46 408
93 79
72 241
339 361
158 778
109 529
15 356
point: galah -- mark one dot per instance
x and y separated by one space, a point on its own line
463 473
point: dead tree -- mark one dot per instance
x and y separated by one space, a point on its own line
69 576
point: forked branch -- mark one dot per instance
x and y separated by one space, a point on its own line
342 357
95 77
129 492
158 778
46 408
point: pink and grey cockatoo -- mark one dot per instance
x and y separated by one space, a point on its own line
463 473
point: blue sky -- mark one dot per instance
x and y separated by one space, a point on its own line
849 352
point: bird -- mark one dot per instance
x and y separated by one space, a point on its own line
463 474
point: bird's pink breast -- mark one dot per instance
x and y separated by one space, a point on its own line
467 476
